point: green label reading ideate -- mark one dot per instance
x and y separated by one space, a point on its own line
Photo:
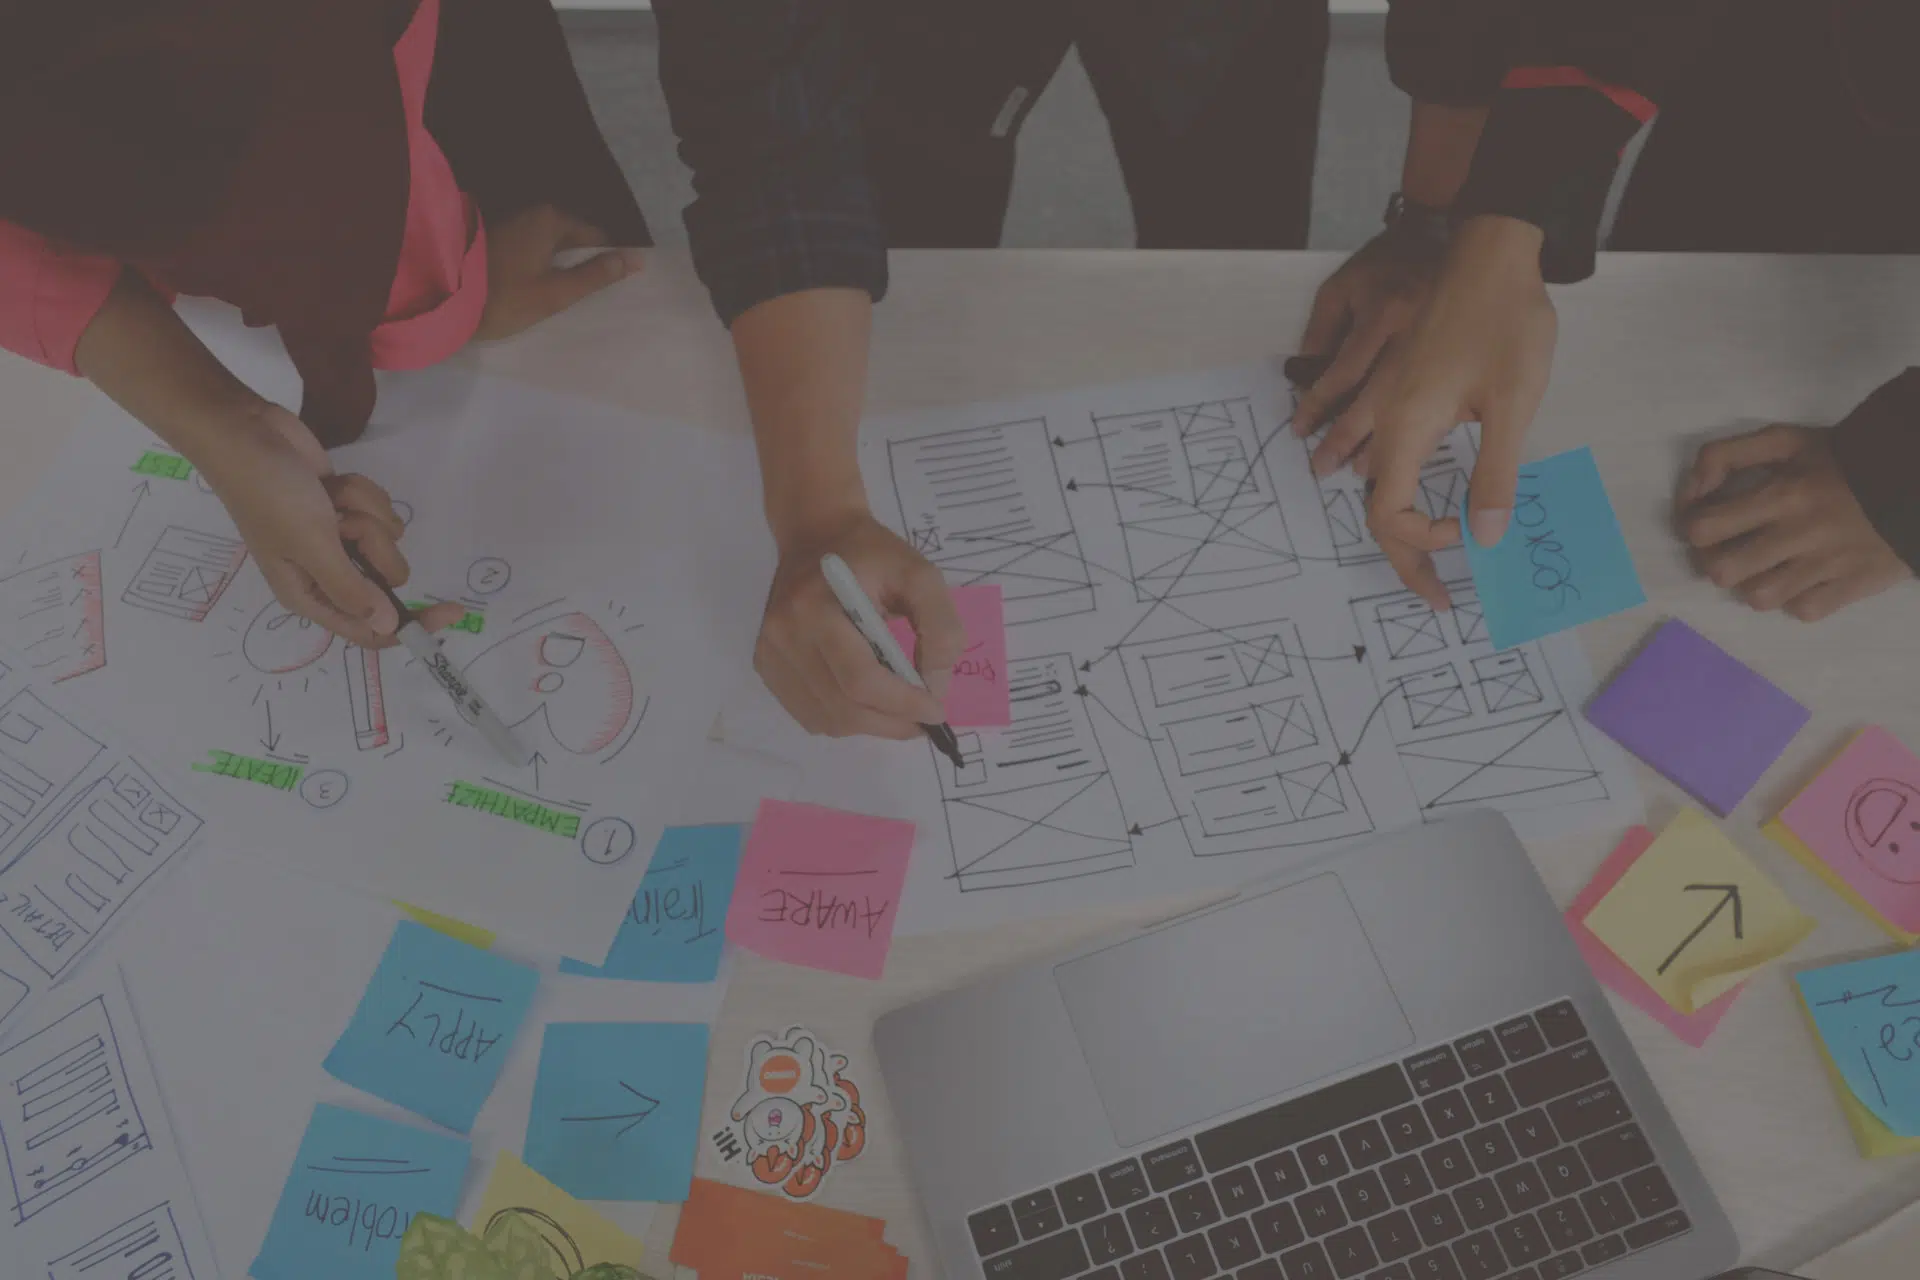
268 773
471 622
167 465
530 813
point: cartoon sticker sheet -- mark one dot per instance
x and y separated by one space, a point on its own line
797 1116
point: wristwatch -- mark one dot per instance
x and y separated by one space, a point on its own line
1422 228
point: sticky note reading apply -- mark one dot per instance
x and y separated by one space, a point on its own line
978 697
356 1183
675 927
1693 916
1858 825
516 1189
616 1108
1562 561
435 1025
1868 1015
820 887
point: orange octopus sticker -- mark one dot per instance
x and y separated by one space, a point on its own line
798 1117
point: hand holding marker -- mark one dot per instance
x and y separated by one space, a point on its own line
873 629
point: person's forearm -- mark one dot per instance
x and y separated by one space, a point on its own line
147 361
1440 143
803 358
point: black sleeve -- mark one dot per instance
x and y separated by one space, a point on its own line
1450 53
1878 448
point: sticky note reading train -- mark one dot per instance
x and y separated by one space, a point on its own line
673 930
1868 1015
978 697
819 887
1857 826
1693 916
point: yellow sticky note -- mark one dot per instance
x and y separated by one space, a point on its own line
1875 1140
579 1237
1783 836
471 934
1694 916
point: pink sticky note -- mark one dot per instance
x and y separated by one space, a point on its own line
1693 1028
977 698
1861 817
820 887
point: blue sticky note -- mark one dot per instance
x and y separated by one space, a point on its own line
616 1109
355 1185
435 1025
1562 561
1868 1013
677 924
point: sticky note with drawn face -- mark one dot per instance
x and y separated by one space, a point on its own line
1858 824
1694 916
1868 1015
979 697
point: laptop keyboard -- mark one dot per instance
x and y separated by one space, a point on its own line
1508 1154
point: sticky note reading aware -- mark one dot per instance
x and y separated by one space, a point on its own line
1562 561
1693 916
1857 825
356 1183
579 1237
616 1108
1691 1028
435 1025
1868 1015
676 927
978 697
820 887
1707 723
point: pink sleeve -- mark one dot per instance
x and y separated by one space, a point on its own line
48 296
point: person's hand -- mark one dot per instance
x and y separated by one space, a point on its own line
294 514
1795 540
1359 315
817 663
524 286
1482 348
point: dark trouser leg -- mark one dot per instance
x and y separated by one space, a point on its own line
1214 107
954 79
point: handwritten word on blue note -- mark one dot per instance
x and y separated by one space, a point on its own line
677 924
434 1027
616 1109
1868 1012
355 1185
1562 561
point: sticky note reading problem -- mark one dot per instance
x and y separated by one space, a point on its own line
616 1108
1857 825
587 1238
356 1183
1693 916
820 887
1868 1015
434 1026
675 929
1562 561
978 698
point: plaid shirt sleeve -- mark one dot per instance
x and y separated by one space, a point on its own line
766 97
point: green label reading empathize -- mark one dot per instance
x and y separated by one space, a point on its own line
166 465
268 773
473 622
465 795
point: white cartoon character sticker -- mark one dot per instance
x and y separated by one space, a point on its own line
799 1114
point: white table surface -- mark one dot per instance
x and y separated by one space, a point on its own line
1656 353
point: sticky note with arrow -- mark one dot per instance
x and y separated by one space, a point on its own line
1694 916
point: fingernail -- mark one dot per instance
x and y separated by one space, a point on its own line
633 261
1489 524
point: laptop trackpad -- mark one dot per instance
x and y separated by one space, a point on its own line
1208 1015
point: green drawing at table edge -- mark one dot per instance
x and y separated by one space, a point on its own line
464 795
268 773
169 466
517 1244
472 622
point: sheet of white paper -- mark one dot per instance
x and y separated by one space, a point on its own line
586 544
84 826
1186 610
244 976
95 1186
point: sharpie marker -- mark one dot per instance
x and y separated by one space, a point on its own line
426 646
873 629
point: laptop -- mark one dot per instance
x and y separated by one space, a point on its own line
1391 1064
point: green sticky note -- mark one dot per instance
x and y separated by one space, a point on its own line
166 465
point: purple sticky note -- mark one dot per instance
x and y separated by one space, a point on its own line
1708 723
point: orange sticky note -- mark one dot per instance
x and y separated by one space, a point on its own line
820 887
977 698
